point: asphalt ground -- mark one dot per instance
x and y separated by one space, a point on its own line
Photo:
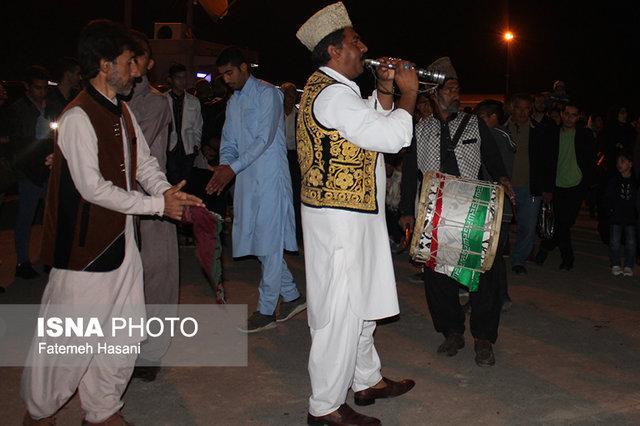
568 352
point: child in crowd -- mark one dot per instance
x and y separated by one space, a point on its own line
622 202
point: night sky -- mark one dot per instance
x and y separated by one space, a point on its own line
593 47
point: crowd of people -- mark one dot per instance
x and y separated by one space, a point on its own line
546 150
329 171
100 145
594 168
29 122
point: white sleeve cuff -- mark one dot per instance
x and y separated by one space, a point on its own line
156 205
162 188
408 120
377 105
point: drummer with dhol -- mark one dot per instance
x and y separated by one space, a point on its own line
341 139
456 143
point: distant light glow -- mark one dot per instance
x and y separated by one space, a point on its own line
297 90
508 36
204 75
254 65
53 125
52 83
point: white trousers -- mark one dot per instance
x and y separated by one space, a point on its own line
99 378
342 356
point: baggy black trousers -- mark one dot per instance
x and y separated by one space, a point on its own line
486 303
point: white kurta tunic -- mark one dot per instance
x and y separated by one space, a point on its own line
101 379
358 243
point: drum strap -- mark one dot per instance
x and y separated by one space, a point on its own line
448 147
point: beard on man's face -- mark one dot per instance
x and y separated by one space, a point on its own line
124 93
122 86
453 107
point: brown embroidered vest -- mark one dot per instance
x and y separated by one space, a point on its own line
335 172
79 235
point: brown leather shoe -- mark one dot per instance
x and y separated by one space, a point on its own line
30 421
343 416
484 353
114 420
452 344
393 389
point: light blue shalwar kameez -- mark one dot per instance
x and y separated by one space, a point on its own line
253 145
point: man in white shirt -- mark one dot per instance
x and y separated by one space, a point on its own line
100 154
349 271
186 132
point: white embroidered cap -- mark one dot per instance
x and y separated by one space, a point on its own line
332 18
444 66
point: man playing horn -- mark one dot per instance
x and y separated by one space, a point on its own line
341 139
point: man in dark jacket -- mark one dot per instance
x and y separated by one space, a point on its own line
571 162
529 182
492 113
68 78
31 142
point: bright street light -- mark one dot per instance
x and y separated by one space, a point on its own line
508 37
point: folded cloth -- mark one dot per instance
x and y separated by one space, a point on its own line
207 227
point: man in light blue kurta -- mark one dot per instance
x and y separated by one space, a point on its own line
253 150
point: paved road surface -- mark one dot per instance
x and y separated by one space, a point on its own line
568 353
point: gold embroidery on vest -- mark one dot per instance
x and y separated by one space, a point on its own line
335 172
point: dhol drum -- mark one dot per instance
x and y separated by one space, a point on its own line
457 226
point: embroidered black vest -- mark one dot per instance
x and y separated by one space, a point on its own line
335 173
